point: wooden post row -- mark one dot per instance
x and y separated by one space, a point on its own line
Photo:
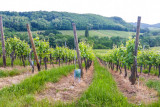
134 71
33 46
3 43
136 42
77 48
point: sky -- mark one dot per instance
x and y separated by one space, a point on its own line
129 10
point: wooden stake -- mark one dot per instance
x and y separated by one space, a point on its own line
134 71
34 49
77 48
3 43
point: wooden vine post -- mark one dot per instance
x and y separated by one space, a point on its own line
33 46
3 43
133 76
77 48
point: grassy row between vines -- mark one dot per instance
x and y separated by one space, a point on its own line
155 84
22 95
102 92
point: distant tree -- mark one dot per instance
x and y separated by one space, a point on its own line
87 32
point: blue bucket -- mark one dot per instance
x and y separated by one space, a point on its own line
77 73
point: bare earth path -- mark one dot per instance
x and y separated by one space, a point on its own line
67 89
8 81
138 93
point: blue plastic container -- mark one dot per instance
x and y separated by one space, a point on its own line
77 73
32 62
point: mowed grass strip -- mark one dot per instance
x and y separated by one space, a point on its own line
22 95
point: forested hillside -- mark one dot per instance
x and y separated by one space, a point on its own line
43 20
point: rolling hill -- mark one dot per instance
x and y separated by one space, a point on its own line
44 20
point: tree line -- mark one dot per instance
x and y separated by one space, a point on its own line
55 37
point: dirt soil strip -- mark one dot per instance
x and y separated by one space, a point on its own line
138 93
8 81
67 89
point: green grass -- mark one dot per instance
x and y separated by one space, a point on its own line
22 95
11 73
155 84
102 92
100 33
